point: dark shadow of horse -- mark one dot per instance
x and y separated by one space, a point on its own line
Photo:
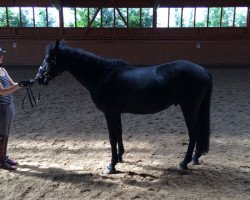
117 87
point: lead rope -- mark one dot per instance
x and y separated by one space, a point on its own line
32 100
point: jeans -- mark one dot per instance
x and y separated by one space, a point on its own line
7 113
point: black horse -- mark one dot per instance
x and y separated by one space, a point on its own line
117 87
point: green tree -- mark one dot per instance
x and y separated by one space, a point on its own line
175 17
227 17
240 17
119 22
188 17
214 17
201 17
40 17
27 17
82 17
69 17
14 16
134 17
3 17
147 17
53 17
108 17
97 21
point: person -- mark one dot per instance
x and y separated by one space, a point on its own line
7 112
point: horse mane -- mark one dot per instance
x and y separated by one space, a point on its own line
48 49
86 56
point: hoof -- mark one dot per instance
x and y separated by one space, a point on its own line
195 162
110 170
182 168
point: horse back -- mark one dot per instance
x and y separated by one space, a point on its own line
148 89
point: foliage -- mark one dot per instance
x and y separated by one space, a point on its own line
241 17
97 21
188 17
40 17
82 17
14 18
3 17
53 17
227 17
69 17
135 17
108 17
201 17
27 17
119 21
175 17
147 17
214 17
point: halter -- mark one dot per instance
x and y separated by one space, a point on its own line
31 99
53 63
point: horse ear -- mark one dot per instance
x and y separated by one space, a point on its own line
63 42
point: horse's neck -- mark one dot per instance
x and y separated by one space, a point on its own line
87 71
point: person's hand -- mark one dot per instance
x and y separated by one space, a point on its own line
26 83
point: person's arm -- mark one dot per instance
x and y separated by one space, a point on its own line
8 90
12 83
13 86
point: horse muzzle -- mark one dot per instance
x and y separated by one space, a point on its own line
41 79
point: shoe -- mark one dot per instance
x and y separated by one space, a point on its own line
11 161
6 165
5 161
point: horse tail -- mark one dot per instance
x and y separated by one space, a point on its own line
202 144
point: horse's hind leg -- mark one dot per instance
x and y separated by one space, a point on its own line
115 131
120 143
190 116
203 128
198 153
195 160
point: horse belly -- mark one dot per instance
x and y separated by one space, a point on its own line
147 105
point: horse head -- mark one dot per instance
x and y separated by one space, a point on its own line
49 68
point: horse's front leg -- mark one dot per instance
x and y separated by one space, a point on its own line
114 128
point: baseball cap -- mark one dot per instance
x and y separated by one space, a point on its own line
2 51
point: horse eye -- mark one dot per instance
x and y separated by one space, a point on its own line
41 69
